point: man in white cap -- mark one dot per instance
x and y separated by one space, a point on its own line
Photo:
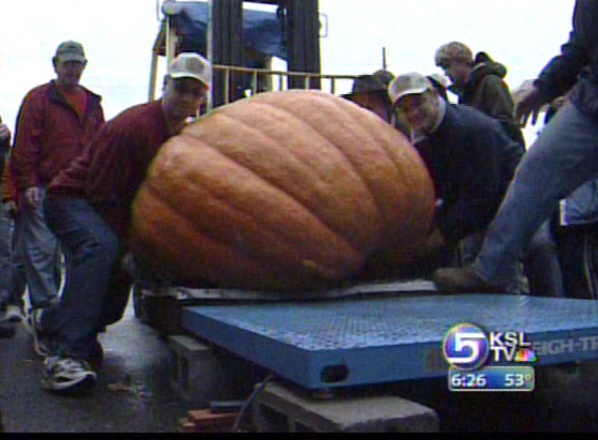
89 207
55 121
471 161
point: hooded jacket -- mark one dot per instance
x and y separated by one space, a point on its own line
486 91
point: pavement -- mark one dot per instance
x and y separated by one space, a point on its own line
135 393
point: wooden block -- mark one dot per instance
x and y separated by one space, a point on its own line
185 425
206 420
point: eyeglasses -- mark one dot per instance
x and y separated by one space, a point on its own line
185 88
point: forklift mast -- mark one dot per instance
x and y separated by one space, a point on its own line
224 45
301 30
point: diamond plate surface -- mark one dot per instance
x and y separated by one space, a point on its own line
398 330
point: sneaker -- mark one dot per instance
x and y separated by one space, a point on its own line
463 280
14 314
7 330
66 374
33 326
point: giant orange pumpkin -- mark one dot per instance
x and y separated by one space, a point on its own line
284 190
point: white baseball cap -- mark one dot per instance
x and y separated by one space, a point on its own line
191 65
412 83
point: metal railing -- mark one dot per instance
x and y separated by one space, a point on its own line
278 80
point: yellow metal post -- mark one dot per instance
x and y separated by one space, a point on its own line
153 76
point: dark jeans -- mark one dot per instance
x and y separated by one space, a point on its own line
96 289
579 260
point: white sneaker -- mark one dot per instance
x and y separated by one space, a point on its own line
14 314
7 328
62 374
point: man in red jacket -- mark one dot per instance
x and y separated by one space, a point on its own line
89 209
56 120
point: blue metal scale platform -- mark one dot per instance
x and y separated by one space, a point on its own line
324 344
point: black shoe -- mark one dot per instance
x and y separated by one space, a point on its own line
7 330
96 358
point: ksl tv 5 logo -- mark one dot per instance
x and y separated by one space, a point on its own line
467 346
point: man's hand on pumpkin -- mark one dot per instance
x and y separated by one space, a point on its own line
434 243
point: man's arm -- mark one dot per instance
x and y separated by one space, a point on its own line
27 148
26 151
561 72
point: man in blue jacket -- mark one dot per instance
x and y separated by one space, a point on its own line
471 161
564 157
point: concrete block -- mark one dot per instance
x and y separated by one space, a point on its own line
186 350
278 409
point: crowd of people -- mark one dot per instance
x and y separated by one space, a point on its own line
68 185
504 213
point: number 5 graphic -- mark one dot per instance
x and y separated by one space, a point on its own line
464 341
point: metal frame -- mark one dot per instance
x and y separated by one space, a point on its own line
339 343
304 45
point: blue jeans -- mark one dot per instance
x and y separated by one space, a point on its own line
5 255
12 270
542 266
92 251
18 284
39 250
564 157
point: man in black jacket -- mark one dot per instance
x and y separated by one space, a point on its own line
468 155
563 158
471 161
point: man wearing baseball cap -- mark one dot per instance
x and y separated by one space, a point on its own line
479 83
55 121
89 209
471 161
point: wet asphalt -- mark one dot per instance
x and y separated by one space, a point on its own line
133 394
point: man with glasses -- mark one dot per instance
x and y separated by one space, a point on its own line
89 209
470 159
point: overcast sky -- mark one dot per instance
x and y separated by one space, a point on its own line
118 36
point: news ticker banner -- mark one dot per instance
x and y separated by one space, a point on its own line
471 352
511 378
